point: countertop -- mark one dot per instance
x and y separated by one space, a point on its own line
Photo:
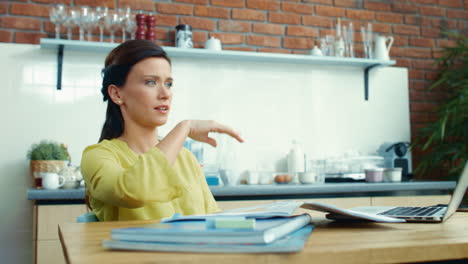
274 191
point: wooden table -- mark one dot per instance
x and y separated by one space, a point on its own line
330 242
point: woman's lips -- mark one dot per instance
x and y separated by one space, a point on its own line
163 109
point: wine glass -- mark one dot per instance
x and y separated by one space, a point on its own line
90 22
367 41
125 16
351 39
70 21
57 16
82 20
101 14
330 40
130 27
112 23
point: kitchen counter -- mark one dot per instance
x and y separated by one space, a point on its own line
278 191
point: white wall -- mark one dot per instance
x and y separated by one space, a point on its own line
271 104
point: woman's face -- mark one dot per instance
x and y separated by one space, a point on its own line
146 95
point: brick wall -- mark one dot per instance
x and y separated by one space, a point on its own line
292 26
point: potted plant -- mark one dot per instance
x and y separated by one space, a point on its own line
444 143
46 156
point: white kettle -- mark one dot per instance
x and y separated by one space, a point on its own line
381 49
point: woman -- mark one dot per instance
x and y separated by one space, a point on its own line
131 174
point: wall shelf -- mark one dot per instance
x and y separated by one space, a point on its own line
226 55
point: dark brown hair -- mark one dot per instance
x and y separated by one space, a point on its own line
118 64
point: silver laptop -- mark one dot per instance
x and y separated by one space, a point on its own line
419 214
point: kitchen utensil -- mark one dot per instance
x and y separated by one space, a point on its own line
213 44
339 43
70 21
307 177
374 174
392 174
51 180
350 39
367 41
330 42
112 23
184 36
382 49
316 51
150 32
72 177
397 155
57 16
101 13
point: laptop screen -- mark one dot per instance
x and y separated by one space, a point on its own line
457 196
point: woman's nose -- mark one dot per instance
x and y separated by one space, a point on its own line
164 93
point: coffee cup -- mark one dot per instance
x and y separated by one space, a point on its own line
51 180
213 44
252 177
374 174
311 177
392 175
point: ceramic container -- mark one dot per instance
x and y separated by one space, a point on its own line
374 174
392 175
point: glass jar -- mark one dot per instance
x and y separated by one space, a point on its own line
183 36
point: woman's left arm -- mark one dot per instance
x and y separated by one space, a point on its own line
195 129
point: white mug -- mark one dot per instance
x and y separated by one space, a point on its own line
51 180
213 44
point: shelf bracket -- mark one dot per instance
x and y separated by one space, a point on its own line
59 66
366 80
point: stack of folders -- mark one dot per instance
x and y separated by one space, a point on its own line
216 234
262 228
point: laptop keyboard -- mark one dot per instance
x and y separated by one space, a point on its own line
412 211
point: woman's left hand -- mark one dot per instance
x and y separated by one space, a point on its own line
199 130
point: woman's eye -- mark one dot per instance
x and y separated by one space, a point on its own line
168 85
150 82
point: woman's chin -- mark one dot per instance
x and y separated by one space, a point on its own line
159 122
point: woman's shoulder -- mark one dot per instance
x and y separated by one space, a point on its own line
105 145
186 154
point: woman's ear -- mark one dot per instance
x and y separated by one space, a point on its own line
115 94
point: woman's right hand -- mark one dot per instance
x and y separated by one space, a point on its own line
199 130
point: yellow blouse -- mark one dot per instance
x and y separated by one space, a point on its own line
122 185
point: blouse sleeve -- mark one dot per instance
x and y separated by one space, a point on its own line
150 179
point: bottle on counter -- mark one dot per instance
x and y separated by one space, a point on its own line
339 43
295 161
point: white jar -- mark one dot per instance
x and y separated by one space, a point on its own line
295 162
392 175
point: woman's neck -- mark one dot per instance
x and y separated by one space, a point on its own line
140 139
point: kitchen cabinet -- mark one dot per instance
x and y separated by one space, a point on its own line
46 241
62 45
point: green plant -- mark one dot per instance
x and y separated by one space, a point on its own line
48 150
444 143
